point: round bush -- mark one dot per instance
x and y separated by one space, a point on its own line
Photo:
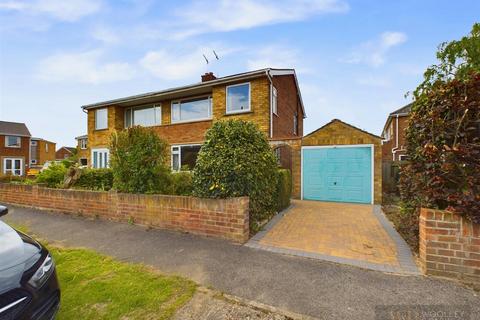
236 160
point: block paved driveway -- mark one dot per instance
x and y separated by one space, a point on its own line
355 234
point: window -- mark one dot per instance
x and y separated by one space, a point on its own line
83 143
184 157
274 101
83 162
192 109
33 143
33 161
13 166
100 158
278 153
403 157
143 116
101 119
46 147
238 98
295 123
13 142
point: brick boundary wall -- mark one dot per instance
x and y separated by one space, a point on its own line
449 246
220 218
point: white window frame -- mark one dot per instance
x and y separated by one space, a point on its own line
227 111
402 156
102 151
12 171
372 164
97 127
274 101
33 143
83 144
179 152
210 112
80 161
33 161
46 147
132 109
19 139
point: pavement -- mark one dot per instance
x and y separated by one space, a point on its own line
356 234
320 289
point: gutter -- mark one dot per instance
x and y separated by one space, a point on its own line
394 150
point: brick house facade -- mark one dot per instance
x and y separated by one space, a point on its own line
41 151
14 148
181 116
82 150
394 147
64 153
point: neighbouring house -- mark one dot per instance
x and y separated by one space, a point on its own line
65 153
82 150
14 148
41 151
393 134
181 116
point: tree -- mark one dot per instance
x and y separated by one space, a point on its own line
138 161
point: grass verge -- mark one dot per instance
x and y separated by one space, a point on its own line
95 286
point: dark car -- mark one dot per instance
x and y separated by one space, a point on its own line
28 280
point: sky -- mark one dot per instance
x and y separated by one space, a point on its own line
355 59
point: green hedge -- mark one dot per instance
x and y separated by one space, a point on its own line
236 160
284 189
53 176
182 183
95 179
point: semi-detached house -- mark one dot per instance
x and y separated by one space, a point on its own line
181 116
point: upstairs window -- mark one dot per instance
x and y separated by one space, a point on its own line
295 124
238 98
143 116
192 109
13 142
274 101
46 147
101 119
83 143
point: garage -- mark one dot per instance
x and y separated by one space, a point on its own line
341 163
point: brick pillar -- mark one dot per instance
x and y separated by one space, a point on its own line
449 246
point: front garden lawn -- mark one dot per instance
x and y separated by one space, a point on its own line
95 286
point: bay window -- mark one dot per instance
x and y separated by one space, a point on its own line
100 158
192 109
146 116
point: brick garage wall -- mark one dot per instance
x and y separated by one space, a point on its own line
220 218
449 246
337 132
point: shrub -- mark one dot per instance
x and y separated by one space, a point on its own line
8 178
138 158
95 179
284 189
52 176
182 183
236 160
443 136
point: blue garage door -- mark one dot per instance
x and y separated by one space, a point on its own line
342 174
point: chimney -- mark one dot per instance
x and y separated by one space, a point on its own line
208 76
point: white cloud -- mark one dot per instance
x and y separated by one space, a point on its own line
200 17
84 67
64 10
105 35
273 56
374 52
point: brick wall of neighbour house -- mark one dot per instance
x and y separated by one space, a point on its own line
288 105
389 145
190 132
83 153
45 154
338 133
449 246
220 218
62 153
23 152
